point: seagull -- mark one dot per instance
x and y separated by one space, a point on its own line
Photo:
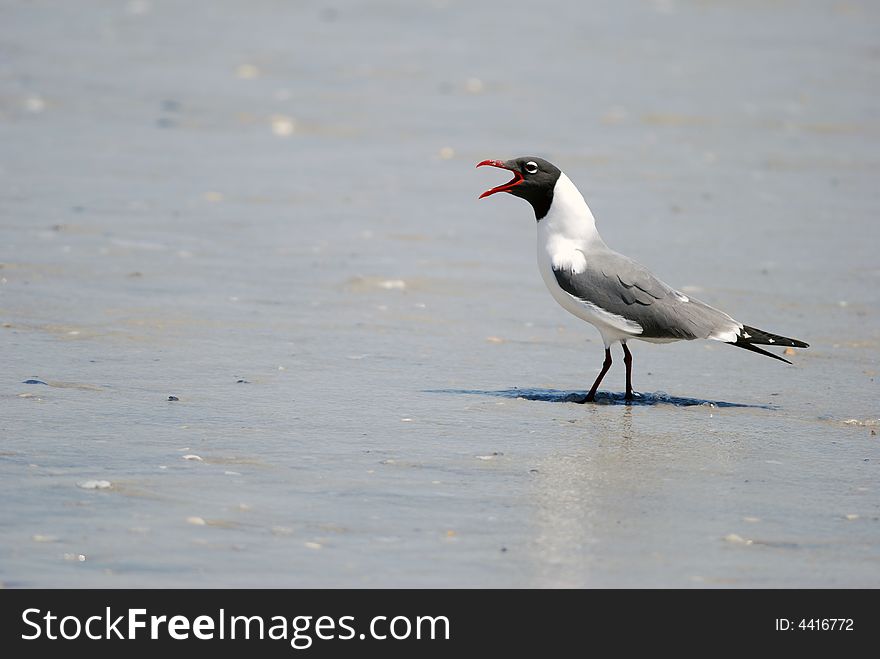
617 295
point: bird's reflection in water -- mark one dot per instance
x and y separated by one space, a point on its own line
626 425
569 493
614 492
595 505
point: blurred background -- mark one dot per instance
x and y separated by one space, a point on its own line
257 330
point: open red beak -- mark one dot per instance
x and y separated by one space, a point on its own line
517 177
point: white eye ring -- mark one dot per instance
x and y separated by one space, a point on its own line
531 167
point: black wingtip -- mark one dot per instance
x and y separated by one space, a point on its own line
740 343
748 337
754 335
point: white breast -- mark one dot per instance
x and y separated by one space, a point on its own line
566 235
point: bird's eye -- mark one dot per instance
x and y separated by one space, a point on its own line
531 167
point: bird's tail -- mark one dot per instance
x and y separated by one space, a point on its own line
750 337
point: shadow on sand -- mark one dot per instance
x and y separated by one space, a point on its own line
602 397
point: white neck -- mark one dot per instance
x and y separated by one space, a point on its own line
569 216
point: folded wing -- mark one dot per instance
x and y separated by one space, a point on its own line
622 288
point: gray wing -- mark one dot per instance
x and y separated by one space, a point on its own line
618 285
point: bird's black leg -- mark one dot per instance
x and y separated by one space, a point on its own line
591 397
628 360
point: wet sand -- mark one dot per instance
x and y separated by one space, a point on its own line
267 211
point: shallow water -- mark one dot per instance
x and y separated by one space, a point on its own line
268 212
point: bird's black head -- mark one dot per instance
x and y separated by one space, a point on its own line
533 180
